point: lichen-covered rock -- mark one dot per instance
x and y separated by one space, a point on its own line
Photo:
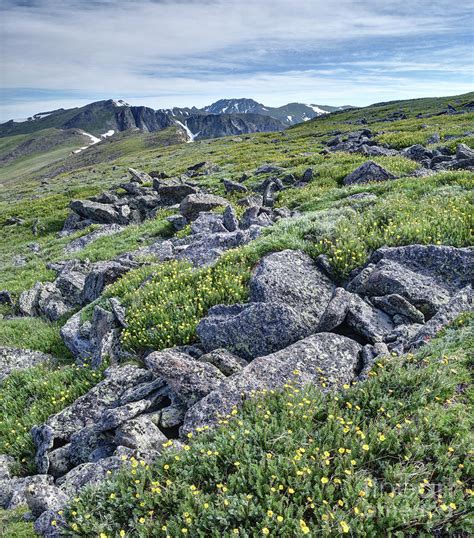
96 212
395 304
19 359
174 192
365 321
101 274
251 330
461 302
42 497
189 379
321 358
224 360
85 411
49 524
140 434
427 276
291 277
232 186
367 172
194 204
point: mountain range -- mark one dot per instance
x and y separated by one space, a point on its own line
224 117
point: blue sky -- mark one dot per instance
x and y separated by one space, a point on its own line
164 53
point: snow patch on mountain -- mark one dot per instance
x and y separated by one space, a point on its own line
191 136
317 109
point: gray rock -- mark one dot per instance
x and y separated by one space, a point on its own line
226 362
116 416
376 151
6 463
268 169
194 204
291 277
85 411
208 223
417 153
95 211
254 216
12 359
140 177
81 242
461 302
189 379
307 175
6 298
434 139
252 330
140 434
13 495
175 192
396 304
102 273
119 310
323 358
360 317
229 219
49 524
172 416
177 221
76 339
88 474
367 172
233 186
249 201
464 152
42 497
427 276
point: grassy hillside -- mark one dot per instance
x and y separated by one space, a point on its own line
424 416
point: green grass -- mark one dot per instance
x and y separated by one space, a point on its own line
166 302
29 397
12 524
387 457
32 333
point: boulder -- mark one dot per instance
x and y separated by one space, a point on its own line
140 434
85 411
233 186
88 474
189 379
6 298
360 319
140 177
268 169
101 274
95 211
252 330
12 359
367 172
13 492
463 301
76 337
224 360
324 359
417 153
194 204
174 193
229 219
249 201
395 304
208 223
426 275
464 152
291 277
307 175
254 216
49 524
42 497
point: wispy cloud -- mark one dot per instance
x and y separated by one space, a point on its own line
190 52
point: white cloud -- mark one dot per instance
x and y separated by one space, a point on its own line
189 52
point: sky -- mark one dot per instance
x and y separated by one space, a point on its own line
165 53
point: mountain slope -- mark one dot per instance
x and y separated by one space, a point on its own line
289 114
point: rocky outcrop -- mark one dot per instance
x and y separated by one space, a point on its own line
288 295
323 359
194 204
366 173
